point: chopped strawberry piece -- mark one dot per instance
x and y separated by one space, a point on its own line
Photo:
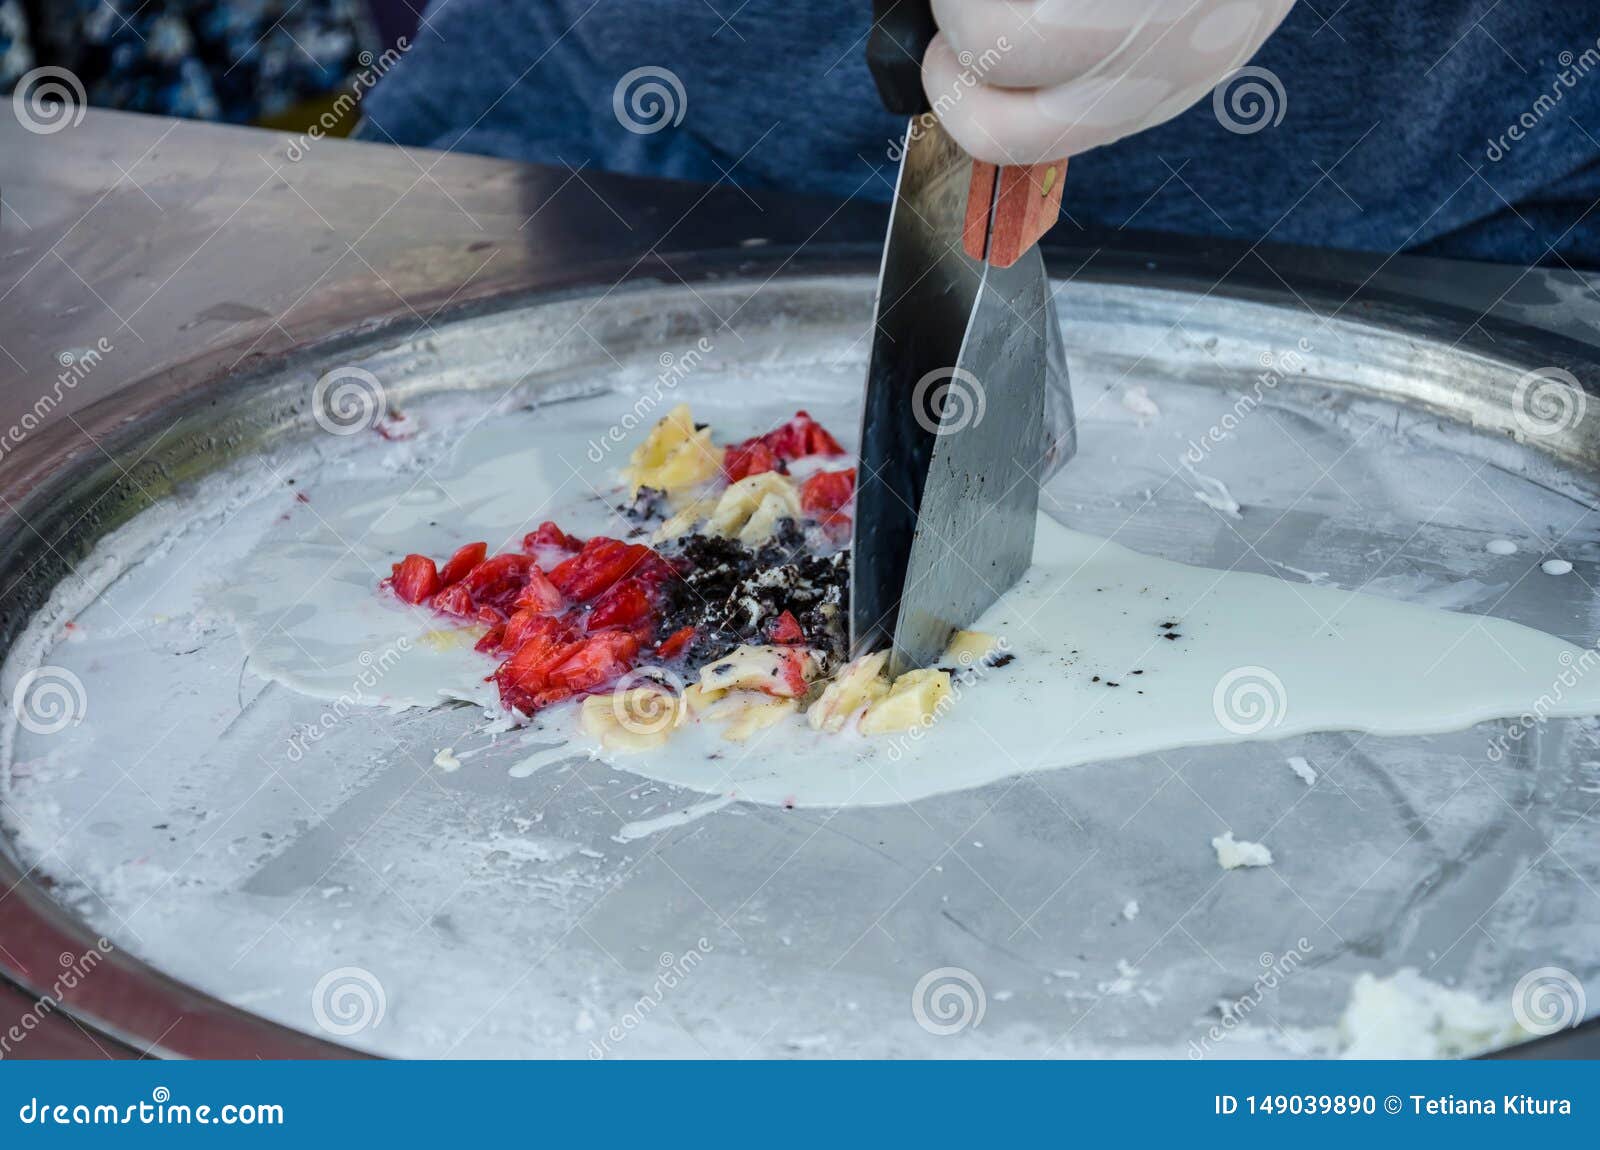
794 673
455 601
786 629
461 562
827 491
624 605
491 641
604 562
598 661
538 594
528 624
752 457
497 582
800 437
676 643
415 578
549 535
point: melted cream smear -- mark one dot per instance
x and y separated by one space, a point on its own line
1116 653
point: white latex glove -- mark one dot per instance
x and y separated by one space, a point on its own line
1024 81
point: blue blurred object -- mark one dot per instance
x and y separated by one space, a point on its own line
202 59
1431 126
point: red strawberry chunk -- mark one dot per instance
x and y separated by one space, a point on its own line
497 582
624 605
549 535
539 594
603 562
491 641
786 629
676 643
800 437
827 491
415 578
752 457
456 600
598 661
461 562
794 673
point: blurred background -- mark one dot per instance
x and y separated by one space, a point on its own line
273 63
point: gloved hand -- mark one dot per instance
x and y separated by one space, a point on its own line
1025 81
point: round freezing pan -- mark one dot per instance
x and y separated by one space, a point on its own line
367 904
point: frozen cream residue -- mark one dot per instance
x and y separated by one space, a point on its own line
648 827
1303 769
1233 854
1407 1016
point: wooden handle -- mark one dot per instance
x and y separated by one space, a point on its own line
1030 204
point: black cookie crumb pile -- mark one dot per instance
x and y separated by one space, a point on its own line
733 594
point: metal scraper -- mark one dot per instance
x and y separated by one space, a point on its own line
965 338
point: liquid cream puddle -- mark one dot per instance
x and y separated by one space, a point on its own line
1116 654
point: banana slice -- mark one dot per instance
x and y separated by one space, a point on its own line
698 699
859 683
750 509
636 719
916 699
772 670
970 648
674 456
682 522
748 712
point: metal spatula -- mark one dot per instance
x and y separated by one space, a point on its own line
965 342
